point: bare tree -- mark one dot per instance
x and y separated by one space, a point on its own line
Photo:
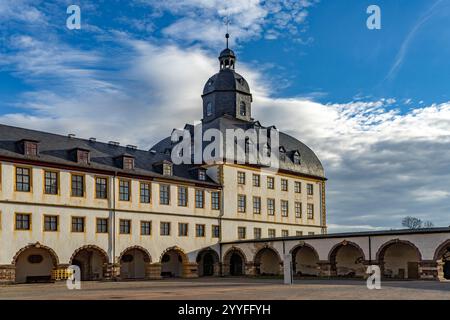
412 223
428 224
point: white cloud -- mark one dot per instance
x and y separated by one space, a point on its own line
382 164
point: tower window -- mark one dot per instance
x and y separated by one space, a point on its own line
242 109
209 109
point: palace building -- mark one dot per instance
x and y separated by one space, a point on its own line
119 212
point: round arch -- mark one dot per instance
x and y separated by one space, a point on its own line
92 261
399 259
208 262
267 261
134 262
34 263
305 260
173 261
346 259
234 262
442 258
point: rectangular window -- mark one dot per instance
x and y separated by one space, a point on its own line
310 189
284 185
102 225
256 180
299 233
182 196
164 228
199 198
271 233
183 229
23 221
101 188
50 182
285 233
215 200
241 232
242 203
77 224
200 230
215 231
50 223
202 175
284 208
124 190
124 226
23 179
257 233
241 177
297 187
271 207
270 183
310 211
77 185
164 194
298 209
146 228
145 194
256 205
167 169
311 233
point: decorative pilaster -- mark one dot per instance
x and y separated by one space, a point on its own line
429 270
324 269
7 274
190 270
153 271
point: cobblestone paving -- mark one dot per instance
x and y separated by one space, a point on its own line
231 288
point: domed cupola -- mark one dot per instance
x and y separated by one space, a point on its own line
227 92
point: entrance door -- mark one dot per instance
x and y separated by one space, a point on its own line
235 265
208 264
447 270
413 270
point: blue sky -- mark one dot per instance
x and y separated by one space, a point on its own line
373 104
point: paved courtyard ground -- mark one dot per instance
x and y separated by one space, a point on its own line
231 288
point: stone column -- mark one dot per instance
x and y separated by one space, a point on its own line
428 270
153 271
190 270
216 269
324 269
7 274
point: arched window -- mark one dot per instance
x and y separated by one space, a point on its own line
209 109
242 109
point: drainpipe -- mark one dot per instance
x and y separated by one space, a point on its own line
220 234
113 223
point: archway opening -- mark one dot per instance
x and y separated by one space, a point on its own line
442 258
208 262
236 265
400 260
304 261
267 262
134 264
172 263
347 261
35 265
447 269
92 263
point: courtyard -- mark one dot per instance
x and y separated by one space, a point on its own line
231 288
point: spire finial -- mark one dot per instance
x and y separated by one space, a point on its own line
227 35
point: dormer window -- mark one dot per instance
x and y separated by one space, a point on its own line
201 174
83 156
80 155
282 154
30 147
296 158
167 169
128 163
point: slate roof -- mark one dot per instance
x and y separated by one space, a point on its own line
57 150
309 163
226 80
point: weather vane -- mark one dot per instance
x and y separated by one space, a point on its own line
227 35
